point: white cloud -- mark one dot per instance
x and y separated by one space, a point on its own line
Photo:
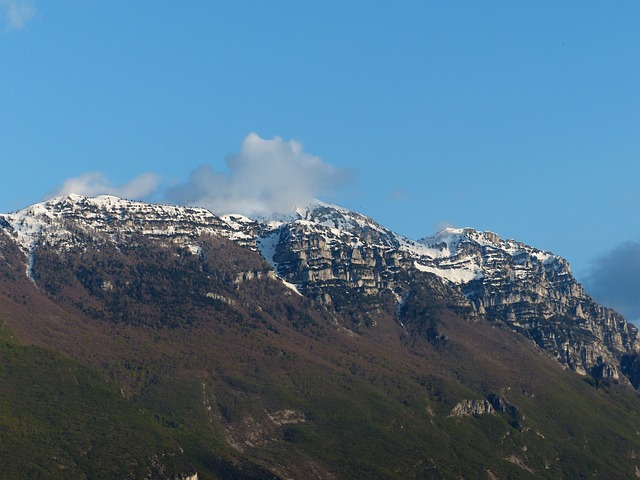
266 176
17 13
95 183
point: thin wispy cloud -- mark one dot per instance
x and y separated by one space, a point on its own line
614 280
16 13
95 183
442 225
266 176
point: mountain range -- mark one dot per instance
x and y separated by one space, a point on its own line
159 341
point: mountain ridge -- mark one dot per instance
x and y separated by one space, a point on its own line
370 367
320 247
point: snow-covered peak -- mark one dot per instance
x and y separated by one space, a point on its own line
298 212
107 216
451 241
320 215
460 255
451 238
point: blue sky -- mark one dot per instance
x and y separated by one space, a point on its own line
522 118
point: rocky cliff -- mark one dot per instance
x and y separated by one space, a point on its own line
531 291
323 251
535 294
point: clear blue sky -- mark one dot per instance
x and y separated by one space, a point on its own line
522 118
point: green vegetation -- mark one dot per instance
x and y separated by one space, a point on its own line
59 419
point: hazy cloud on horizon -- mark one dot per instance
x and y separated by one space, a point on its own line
614 280
266 176
17 13
92 184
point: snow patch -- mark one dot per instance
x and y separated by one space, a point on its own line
267 247
194 249
454 275
30 264
290 286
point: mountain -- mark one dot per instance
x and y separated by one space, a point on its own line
157 341
531 291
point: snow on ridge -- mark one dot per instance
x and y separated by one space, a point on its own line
28 225
459 255
447 241
462 255
236 219
296 212
321 214
47 219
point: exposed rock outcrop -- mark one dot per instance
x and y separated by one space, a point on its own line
474 408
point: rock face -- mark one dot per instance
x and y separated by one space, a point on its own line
315 257
472 408
322 250
536 295
531 291
76 221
